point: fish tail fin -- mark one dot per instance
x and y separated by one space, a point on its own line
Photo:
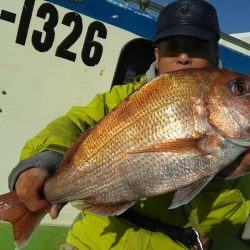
23 221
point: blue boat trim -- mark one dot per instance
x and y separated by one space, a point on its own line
114 13
235 60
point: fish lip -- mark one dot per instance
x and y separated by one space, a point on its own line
236 141
239 142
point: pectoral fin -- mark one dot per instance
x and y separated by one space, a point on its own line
186 194
109 209
183 145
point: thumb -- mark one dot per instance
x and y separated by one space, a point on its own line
55 210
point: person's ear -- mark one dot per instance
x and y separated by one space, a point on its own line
219 63
156 52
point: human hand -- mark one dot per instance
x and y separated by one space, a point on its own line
206 243
29 188
240 167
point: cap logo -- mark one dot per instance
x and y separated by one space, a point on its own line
185 10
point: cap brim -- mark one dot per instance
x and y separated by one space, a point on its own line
186 30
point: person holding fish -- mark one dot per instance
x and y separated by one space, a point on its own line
118 166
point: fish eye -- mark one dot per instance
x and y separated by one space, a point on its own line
238 87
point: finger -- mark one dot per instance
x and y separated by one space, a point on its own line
29 195
28 187
55 210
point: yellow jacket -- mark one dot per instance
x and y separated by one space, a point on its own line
219 209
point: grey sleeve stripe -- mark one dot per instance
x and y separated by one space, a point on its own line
48 160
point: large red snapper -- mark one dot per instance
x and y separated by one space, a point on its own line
174 133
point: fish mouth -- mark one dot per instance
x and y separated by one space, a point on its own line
237 141
243 124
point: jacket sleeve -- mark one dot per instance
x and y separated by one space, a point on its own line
221 208
46 149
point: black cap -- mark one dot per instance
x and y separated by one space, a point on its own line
196 18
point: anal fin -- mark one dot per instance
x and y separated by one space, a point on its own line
108 209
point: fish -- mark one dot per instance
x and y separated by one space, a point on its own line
174 133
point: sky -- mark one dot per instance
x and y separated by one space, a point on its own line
234 15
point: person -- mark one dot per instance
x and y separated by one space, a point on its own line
187 36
